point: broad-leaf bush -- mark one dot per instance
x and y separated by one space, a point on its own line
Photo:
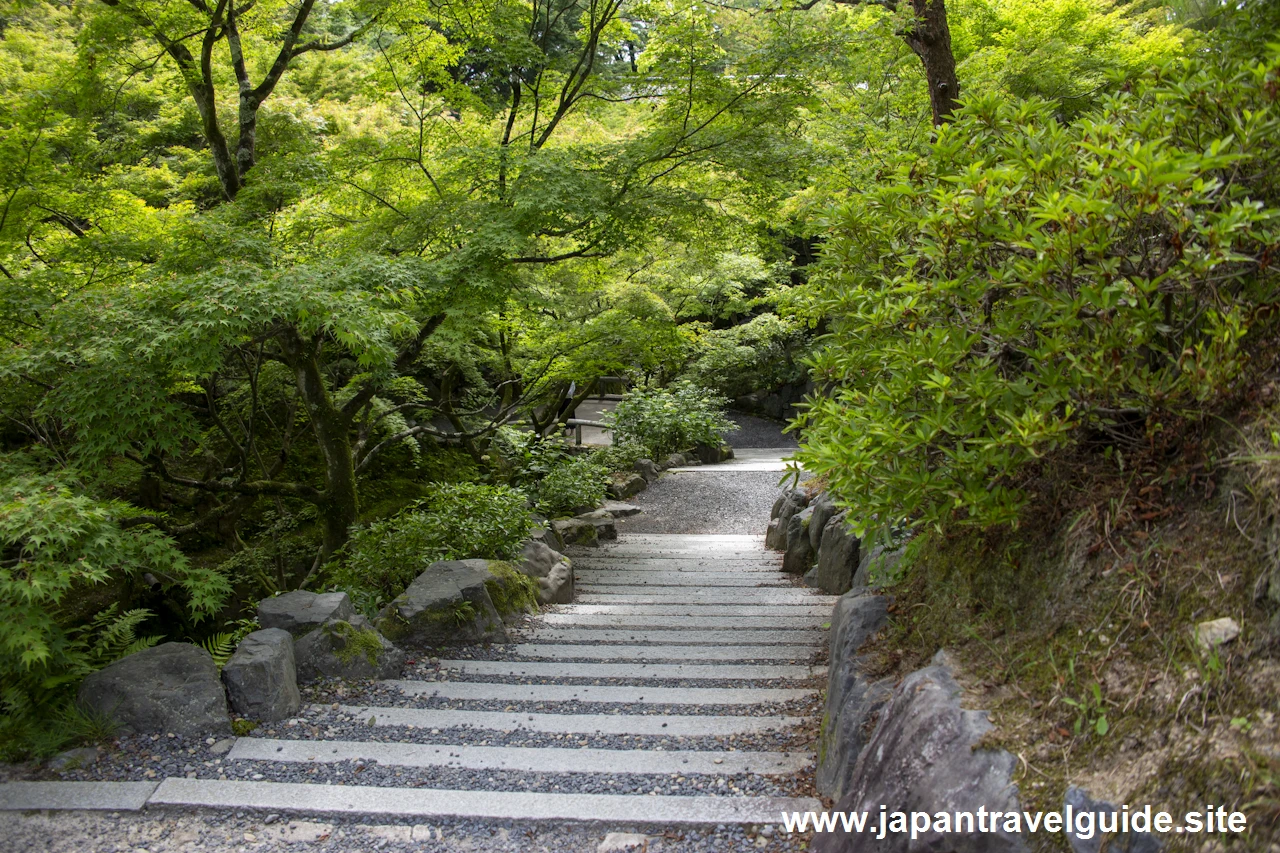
763 353
453 522
557 481
572 484
55 547
670 420
1028 279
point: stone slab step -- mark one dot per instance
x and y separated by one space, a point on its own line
559 651
640 695
659 552
664 725
547 760
89 796
751 540
693 622
731 467
800 636
697 608
688 592
637 670
632 564
298 798
701 579
773 598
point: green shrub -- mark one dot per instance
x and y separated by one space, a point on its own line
454 522
525 457
764 353
573 483
619 457
1028 280
557 480
57 546
669 420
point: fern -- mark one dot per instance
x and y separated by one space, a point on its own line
117 636
220 647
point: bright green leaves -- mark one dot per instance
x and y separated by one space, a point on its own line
453 522
119 367
59 544
1032 278
1066 50
670 420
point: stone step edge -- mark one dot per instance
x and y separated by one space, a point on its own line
299 798
645 725
302 798
637 670
551 694
536 651
67 796
645 762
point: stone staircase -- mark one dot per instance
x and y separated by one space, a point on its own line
679 690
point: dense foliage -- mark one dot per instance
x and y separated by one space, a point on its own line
295 295
670 420
58 551
1027 281
576 484
454 522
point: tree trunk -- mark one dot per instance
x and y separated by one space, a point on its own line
930 39
246 155
340 504
223 162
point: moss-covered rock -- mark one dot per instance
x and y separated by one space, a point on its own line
352 650
511 591
451 603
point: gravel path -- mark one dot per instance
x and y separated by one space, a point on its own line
710 501
758 432
177 831
701 502
705 502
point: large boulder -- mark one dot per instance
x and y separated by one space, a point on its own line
1125 842
925 757
787 505
709 454
648 469
172 687
552 570
301 612
837 557
577 531
603 521
618 509
448 603
675 460
623 486
876 564
823 509
852 699
351 650
545 534
799 554
261 677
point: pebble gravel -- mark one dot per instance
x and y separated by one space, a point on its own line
703 503
759 432
179 831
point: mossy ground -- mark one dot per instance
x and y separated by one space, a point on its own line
1076 632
